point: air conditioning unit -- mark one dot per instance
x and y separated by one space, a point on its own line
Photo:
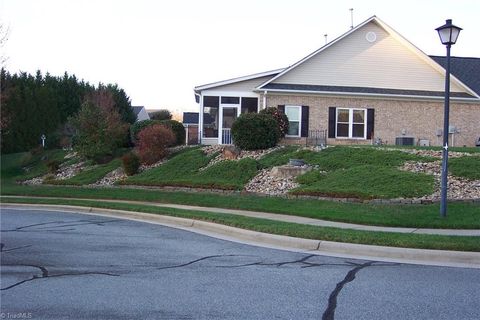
405 141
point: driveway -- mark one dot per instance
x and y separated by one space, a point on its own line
58 265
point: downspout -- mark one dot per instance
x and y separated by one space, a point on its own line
200 120
264 99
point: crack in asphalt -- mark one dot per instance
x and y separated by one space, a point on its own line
198 260
329 313
45 274
51 226
2 246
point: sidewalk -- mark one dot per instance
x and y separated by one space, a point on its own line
320 247
292 219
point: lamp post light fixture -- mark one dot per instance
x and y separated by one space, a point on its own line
448 35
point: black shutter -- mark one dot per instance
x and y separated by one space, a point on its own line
370 122
332 114
281 108
304 125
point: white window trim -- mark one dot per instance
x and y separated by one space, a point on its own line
350 123
299 121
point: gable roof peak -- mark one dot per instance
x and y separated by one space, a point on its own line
327 45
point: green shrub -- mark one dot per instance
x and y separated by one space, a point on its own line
253 131
178 129
153 142
53 166
162 114
130 163
280 117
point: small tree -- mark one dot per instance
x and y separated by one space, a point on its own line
280 117
130 163
162 114
99 130
153 142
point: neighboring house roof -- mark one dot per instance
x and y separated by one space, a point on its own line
466 70
137 109
190 118
140 113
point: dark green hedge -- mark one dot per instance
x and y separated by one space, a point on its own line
253 131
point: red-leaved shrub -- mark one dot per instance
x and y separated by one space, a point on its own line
153 142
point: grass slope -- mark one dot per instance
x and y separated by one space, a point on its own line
465 167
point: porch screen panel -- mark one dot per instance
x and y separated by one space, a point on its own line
249 105
210 116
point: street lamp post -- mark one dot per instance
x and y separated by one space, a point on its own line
448 35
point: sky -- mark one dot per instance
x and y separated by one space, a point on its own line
158 51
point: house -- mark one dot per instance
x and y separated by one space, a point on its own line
141 113
190 122
369 85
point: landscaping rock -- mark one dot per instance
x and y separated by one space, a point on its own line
231 152
458 188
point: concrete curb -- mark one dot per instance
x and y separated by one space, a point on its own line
287 218
329 248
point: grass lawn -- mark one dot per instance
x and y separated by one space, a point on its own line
366 182
465 167
460 215
184 168
459 243
91 175
352 172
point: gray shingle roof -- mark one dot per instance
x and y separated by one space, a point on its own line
322 88
137 109
466 70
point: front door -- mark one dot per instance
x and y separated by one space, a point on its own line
229 116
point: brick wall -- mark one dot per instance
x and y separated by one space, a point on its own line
419 119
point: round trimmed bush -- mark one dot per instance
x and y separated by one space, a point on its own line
280 117
253 131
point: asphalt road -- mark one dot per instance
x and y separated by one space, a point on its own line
58 265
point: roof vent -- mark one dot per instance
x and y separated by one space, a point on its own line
371 36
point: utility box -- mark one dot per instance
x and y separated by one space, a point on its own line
424 143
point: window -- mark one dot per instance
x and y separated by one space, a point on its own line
351 123
210 116
249 105
230 100
294 119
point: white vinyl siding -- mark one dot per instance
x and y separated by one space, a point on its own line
351 123
294 115
247 85
356 62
